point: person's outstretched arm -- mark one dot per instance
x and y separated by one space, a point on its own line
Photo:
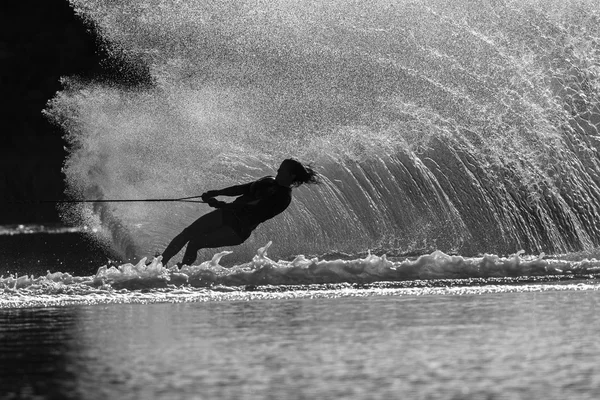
236 190
266 207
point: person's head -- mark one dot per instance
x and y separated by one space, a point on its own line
293 173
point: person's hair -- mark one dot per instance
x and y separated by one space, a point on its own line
305 173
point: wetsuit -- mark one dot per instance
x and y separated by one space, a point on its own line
260 200
257 202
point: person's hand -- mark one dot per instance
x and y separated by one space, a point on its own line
214 202
209 195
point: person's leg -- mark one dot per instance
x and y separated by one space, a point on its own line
175 246
224 236
203 225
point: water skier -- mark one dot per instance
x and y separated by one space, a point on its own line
232 223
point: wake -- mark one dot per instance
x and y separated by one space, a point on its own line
264 271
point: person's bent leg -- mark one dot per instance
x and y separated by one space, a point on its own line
175 246
224 236
200 227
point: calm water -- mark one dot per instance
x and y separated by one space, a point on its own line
487 346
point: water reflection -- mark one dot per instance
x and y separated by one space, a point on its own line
34 353
493 346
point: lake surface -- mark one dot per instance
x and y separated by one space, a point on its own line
475 345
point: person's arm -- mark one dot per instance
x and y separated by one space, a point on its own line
223 205
236 190
266 207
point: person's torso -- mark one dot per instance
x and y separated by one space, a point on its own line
265 199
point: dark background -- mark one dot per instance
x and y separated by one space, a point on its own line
40 42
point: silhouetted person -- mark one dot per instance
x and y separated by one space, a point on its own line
232 223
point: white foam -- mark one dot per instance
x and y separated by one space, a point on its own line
209 280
